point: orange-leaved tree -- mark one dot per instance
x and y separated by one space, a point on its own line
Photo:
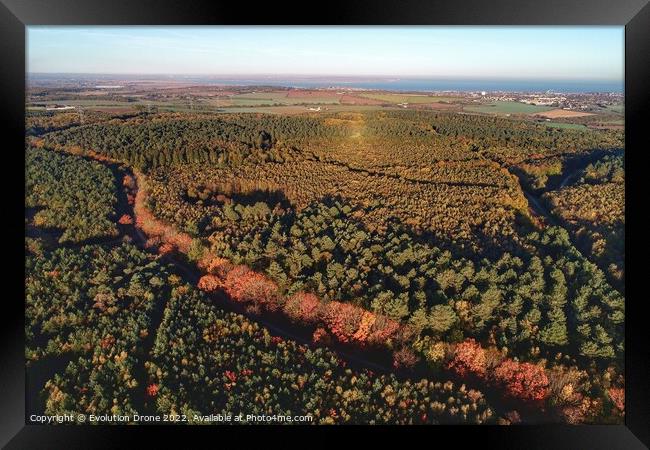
343 320
468 358
209 283
125 220
524 381
246 286
303 307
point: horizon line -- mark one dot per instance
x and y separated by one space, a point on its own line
316 75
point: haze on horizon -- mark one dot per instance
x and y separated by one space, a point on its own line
523 53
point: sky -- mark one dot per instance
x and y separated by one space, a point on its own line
554 53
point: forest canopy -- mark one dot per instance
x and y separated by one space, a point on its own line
231 263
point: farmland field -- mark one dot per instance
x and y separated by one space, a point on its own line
616 108
282 98
408 98
503 107
562 113
298 109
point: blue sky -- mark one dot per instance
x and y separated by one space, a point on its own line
563 53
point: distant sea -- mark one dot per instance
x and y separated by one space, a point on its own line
412 84
351 82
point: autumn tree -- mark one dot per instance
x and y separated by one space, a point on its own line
524 381
468 358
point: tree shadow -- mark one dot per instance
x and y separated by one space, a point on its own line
236 193
270 197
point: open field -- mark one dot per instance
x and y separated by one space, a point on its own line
408 98
563 113
216 106
241 101
284 98
503 107
620 109
300 109
319 93
89 102
359 100
439 106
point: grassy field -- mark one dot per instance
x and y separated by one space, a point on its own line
239 101
406 98
271 98
502 107
563 114
257 100
292 105
243 100
95 103
264 95
620 109
89 102
298 109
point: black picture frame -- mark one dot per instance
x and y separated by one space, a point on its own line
15 15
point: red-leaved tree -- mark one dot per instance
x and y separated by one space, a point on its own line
303 307
166 248
214 265
209 283
128 182
152 390
343 320
382 330
524 381
404 359
125 220
246 286
321 336
468 358
617 395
